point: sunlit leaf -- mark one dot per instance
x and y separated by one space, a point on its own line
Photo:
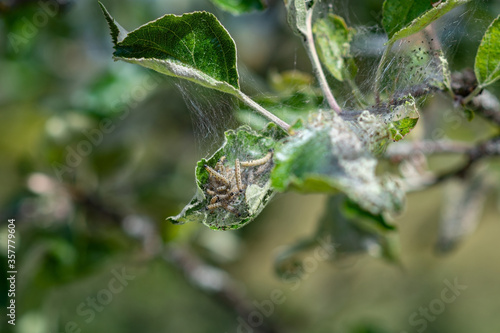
118 33
423 20
333 43
193 46
242 207
487 66
238 7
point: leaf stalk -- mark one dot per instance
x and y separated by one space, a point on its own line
313 55
251 103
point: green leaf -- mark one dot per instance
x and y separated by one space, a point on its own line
193 46
399 13
238 7
246 145
400 128
118 33
333 39
355 230
469 113
330 155
423 20
487 65
402 119
344 230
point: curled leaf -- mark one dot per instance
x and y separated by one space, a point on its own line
230 195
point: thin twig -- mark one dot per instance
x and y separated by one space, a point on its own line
251 103
401 150
487 106
472 95
313 55
489 148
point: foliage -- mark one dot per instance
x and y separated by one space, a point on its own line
487 66
327 152
97 154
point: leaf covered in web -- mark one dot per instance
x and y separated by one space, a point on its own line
237 7
420 22
402 119
333 39
384 124
344 230
330 155
416 69
487 65
193 46
225 198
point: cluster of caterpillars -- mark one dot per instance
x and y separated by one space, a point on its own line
226 185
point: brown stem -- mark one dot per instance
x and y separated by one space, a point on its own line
401 150
487 106
485 149
474 154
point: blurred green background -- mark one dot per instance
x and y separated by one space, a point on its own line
78 227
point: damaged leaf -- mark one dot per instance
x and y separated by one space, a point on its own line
234 206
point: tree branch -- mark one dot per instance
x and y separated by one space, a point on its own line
401 150
485 149
487 106
313 55
489 148
257 107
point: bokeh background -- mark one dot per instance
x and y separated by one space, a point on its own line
78 227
